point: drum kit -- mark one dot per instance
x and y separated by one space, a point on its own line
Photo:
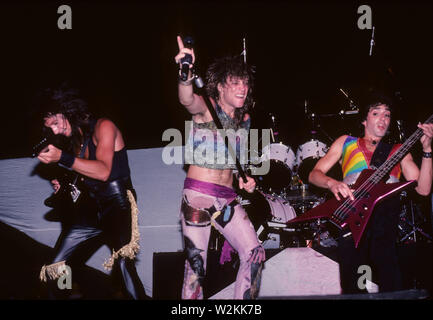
284 193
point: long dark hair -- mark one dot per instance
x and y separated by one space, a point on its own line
224 68
68 102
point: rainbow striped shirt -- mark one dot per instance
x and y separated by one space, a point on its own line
356 158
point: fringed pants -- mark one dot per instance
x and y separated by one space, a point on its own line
114 220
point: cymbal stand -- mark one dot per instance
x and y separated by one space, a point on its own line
412 223
273 128
316 127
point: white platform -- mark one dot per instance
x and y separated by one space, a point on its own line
295 272
158 186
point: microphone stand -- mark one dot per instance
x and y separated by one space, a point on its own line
200 85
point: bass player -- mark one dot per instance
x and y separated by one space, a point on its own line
377 247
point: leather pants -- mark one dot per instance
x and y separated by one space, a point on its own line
113 227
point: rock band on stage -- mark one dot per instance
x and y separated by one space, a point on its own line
360 218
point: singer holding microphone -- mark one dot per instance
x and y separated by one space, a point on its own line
377 248
208 194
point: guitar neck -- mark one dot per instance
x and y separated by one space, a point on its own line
399 154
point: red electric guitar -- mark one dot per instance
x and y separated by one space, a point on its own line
370 188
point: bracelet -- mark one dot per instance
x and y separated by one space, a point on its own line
427 154
187 82
66 160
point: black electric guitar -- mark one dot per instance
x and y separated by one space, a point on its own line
370 188
69 192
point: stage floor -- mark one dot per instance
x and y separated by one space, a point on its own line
289 273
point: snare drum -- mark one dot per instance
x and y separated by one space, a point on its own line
307 156
282 160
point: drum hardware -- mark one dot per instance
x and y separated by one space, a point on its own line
281 239
300 193
311 151
274 132
296 182
353 108
314 119
302 199
321 235
273 241
284 192
411 219
269 214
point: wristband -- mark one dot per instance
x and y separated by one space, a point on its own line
426 154
66 160
187 82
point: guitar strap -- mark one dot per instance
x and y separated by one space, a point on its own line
380 154
83 150
75 192
85 143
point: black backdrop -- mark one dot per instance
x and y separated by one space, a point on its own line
120 54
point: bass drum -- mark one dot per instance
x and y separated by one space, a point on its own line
265 210
282 161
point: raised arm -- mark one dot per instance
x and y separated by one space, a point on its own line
191 101
424 175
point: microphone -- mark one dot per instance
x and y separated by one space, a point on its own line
373 142
355 111
244 51
187 60
372 41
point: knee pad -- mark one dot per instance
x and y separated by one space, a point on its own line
194 216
